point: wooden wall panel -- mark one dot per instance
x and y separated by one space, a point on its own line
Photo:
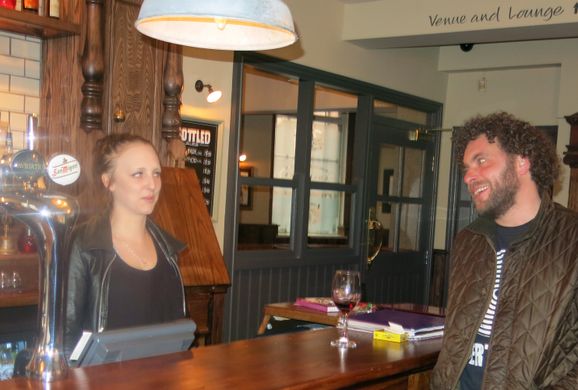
59 121
253 289
181 210
134 74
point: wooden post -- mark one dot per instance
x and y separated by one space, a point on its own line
93 67
571 159
173 85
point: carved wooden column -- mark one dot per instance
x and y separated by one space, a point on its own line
571 159
173 85
174 152
93 67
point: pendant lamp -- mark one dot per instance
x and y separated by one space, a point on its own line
218 24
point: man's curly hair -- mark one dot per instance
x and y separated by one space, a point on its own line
515 137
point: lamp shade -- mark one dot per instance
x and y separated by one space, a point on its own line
218 24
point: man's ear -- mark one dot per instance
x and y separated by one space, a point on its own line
522 165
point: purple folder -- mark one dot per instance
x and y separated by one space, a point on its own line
416 325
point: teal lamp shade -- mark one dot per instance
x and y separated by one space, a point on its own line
218 24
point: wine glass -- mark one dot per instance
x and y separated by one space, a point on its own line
346 293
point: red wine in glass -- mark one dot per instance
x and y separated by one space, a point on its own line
346 293
346 306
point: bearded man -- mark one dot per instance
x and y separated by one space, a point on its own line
512 314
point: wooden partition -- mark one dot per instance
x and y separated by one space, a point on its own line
571 159
181 211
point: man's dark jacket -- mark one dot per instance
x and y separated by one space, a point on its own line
535 332
91 257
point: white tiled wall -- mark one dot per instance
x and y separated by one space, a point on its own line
19 81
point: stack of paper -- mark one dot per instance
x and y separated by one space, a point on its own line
318 303
417 326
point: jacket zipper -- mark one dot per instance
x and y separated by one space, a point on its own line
101 324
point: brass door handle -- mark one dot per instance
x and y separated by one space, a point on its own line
374 237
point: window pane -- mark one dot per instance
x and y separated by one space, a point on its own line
328 151
464 193
261 129
413 172
389 173
332 123
282 199
284 154
257 228
464 215
328 218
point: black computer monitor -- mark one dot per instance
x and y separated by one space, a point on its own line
134 343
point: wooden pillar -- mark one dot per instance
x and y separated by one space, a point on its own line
571 159
93 67
173 85
173 151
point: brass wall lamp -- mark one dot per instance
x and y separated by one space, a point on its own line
213 95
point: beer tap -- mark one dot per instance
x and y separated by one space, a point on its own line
50 218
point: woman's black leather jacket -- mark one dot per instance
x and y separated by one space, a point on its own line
91 256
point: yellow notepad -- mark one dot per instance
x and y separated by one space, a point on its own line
389 336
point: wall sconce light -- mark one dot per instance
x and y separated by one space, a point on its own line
243 157
219 24
213 95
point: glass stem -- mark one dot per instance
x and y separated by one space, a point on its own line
344 330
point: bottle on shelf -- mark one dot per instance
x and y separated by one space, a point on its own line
8 144
31 131
53 8
27 242
30 5
10 4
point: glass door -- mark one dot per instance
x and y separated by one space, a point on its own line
400 200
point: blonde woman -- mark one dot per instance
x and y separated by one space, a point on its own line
123 268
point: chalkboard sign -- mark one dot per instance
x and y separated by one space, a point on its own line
200 140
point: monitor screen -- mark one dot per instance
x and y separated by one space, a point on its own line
133 343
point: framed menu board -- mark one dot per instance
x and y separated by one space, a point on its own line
200 140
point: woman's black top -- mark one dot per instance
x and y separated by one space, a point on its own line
138 297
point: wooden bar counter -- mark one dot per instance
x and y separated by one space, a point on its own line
301 360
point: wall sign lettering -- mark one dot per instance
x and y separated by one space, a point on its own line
200 140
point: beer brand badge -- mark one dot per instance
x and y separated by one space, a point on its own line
27 165
63 169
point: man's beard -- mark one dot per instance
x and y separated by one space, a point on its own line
503 194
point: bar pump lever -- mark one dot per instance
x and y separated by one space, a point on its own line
50 218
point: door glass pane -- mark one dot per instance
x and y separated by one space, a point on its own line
263 133
413 172
389 173
464 216
385 213
328 218
257 228
409 227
